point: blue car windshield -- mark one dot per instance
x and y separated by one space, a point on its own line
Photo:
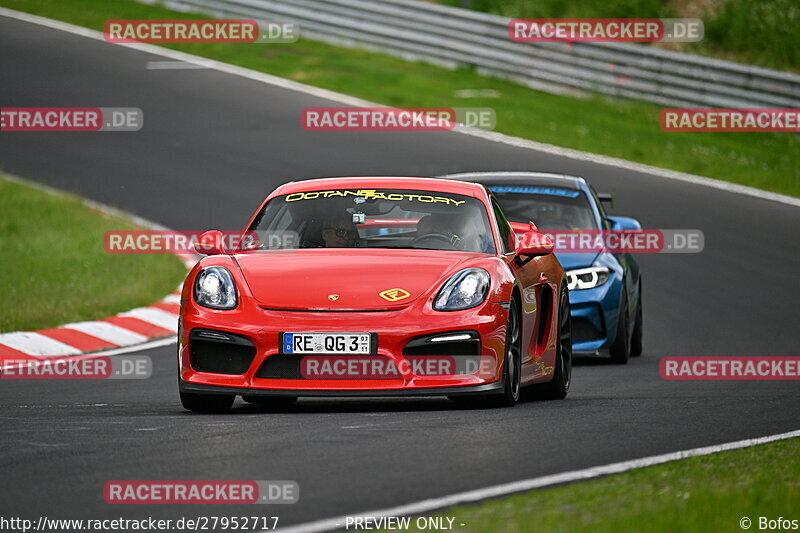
547 207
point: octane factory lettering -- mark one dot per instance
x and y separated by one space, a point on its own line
373 194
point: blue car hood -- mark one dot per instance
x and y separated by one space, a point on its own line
571 261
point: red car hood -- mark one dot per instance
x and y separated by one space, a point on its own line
345 279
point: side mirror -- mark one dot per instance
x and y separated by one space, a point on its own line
210 243
521 227
534 243
624 224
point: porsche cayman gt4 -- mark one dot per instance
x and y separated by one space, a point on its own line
375 286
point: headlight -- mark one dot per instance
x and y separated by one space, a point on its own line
466 288
214 288
586 278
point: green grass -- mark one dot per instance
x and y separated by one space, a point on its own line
759 32
623 129
696 495
55 269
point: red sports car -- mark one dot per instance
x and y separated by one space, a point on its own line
375 286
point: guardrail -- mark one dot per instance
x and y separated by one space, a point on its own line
452 37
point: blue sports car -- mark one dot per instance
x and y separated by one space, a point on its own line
605 289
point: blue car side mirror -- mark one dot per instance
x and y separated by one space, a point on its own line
624 223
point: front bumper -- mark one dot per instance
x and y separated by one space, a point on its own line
489 388
394 329
595 313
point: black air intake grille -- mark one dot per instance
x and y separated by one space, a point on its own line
279 366
219 352
583 330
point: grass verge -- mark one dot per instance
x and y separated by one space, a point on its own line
55 269
628 130
697 495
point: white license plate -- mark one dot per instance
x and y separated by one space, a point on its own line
334 343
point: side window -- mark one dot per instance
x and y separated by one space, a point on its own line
506 235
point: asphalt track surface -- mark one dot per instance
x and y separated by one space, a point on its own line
212 147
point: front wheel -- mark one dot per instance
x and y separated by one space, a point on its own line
621 349
512 369
206 403
636 340
512 364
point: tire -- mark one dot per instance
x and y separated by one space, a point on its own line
512 369
621 349
207 403
274 402
558 387
512 362
636 339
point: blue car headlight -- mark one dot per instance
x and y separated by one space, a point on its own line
214 288
465 289
587 278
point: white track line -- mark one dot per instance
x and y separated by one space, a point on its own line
33 343
107 353
172 65
137 348
108 332
472 496
154 316
567 153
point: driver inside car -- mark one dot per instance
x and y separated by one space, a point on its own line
439 227
339 231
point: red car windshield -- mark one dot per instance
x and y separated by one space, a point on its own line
374 218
